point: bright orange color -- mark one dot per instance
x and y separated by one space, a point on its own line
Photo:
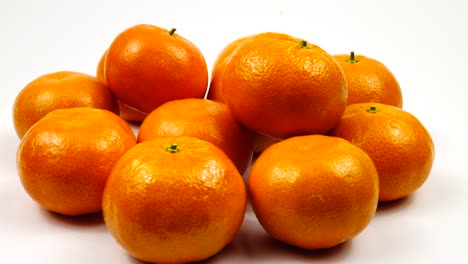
56 91
126 112
314 191
261 142
216 92
282 86
397 142
147 66
204 119
369 81
174 200
65 159
100 70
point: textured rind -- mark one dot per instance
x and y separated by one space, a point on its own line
314 191
370 81
278 88
59 90
204 119
146 67
397 142
65 158
161 210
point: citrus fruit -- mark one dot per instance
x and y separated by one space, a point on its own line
282 86
369 81
397 142
126 112
204 119
147 66
215 91
174 200
314 191
260 142
100 70
65 158
59 90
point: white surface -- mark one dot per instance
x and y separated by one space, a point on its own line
424 43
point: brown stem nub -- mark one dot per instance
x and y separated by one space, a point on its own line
304 44
173 148
352 59
372 109
172 31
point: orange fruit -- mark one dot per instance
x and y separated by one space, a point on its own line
147 66
204 119
126 112
100 70
282 86
369 81
397 142
314 191
215 92
65 159
59 90
174 200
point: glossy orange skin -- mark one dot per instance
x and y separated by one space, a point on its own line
397 142
59 90
65 159
370 81
146 66
314 191
204 119
215 91
101 70
165 207
126 112
276 87
261 142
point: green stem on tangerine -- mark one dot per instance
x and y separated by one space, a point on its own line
372 109
304 44
173 148
171 32
352 59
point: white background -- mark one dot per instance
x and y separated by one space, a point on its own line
424 43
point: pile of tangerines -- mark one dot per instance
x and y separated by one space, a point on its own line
331 137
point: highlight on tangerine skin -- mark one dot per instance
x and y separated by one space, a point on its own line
59 90
174 200
314 191
281 86
147 65
400 146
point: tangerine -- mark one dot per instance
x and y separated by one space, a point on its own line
281 86
369 81
65 159
147 66
64 89
314 191
174 200
204 119
398 143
